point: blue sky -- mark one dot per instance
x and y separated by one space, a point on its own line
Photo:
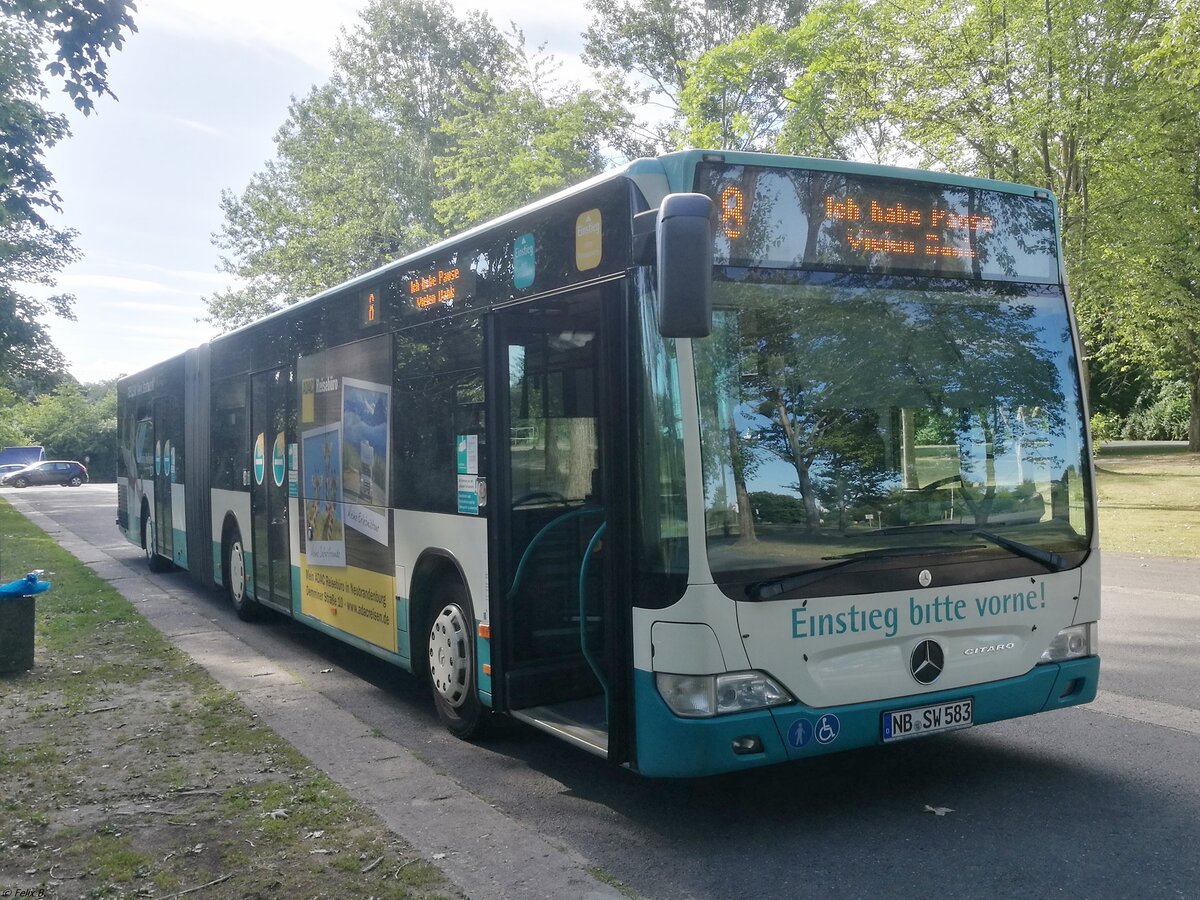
202 89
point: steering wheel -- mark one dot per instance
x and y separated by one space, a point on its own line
553 496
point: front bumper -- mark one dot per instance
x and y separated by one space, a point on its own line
672 747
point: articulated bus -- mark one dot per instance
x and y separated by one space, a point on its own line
715 461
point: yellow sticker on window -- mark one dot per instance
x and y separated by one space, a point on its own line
587 240
308 397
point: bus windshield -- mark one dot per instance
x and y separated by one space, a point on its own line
856 425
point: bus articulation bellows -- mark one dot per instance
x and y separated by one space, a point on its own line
715 461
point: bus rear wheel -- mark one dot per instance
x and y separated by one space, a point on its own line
450 646
235 579
155 562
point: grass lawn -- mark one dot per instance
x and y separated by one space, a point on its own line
1149 502
126 771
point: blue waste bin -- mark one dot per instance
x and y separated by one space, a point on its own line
16 622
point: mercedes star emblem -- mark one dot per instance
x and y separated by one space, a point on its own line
927 662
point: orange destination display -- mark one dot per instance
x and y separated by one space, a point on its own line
836 221
440 285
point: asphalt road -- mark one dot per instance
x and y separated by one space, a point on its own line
1096 801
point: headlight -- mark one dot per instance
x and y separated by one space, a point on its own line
1072 643
699 696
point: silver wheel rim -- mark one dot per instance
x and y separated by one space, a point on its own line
237 572
450 655
151 539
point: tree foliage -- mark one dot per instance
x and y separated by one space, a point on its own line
430 122
352 183
651 46
72 423
81 33
433 121
515 138
1097 103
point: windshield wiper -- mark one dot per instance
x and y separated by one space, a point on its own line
765 590
1047 558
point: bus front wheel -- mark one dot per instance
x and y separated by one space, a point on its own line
450 644
235 578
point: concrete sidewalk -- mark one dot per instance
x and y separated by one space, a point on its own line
482 851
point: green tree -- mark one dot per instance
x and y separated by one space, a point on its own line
515 138
336 200
12 408
81 33
1096 103
75 423
351 185
650 46
820 87
735 95
1141 280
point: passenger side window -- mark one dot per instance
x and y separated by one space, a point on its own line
439 397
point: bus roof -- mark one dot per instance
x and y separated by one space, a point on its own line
656 177
679 166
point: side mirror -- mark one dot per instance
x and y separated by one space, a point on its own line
685 261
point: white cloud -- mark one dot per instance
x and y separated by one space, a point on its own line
176 282
192 311
125 285
306 31
193 125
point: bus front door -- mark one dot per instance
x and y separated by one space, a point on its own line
272 426
556 530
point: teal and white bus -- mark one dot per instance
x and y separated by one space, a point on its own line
715 461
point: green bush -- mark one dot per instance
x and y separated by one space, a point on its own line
1160 416
1105 427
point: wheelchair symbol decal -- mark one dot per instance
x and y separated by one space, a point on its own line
827 728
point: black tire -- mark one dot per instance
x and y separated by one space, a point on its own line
155 562
75 481
20 482
234 570
450 651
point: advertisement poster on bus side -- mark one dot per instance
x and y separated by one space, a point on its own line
345 428
323 496
366 424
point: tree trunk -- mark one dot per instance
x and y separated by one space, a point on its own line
582 458
908 449
806 490
570 456
1194 422
801 464
746 533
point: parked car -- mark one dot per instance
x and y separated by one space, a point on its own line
50 471
9 468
